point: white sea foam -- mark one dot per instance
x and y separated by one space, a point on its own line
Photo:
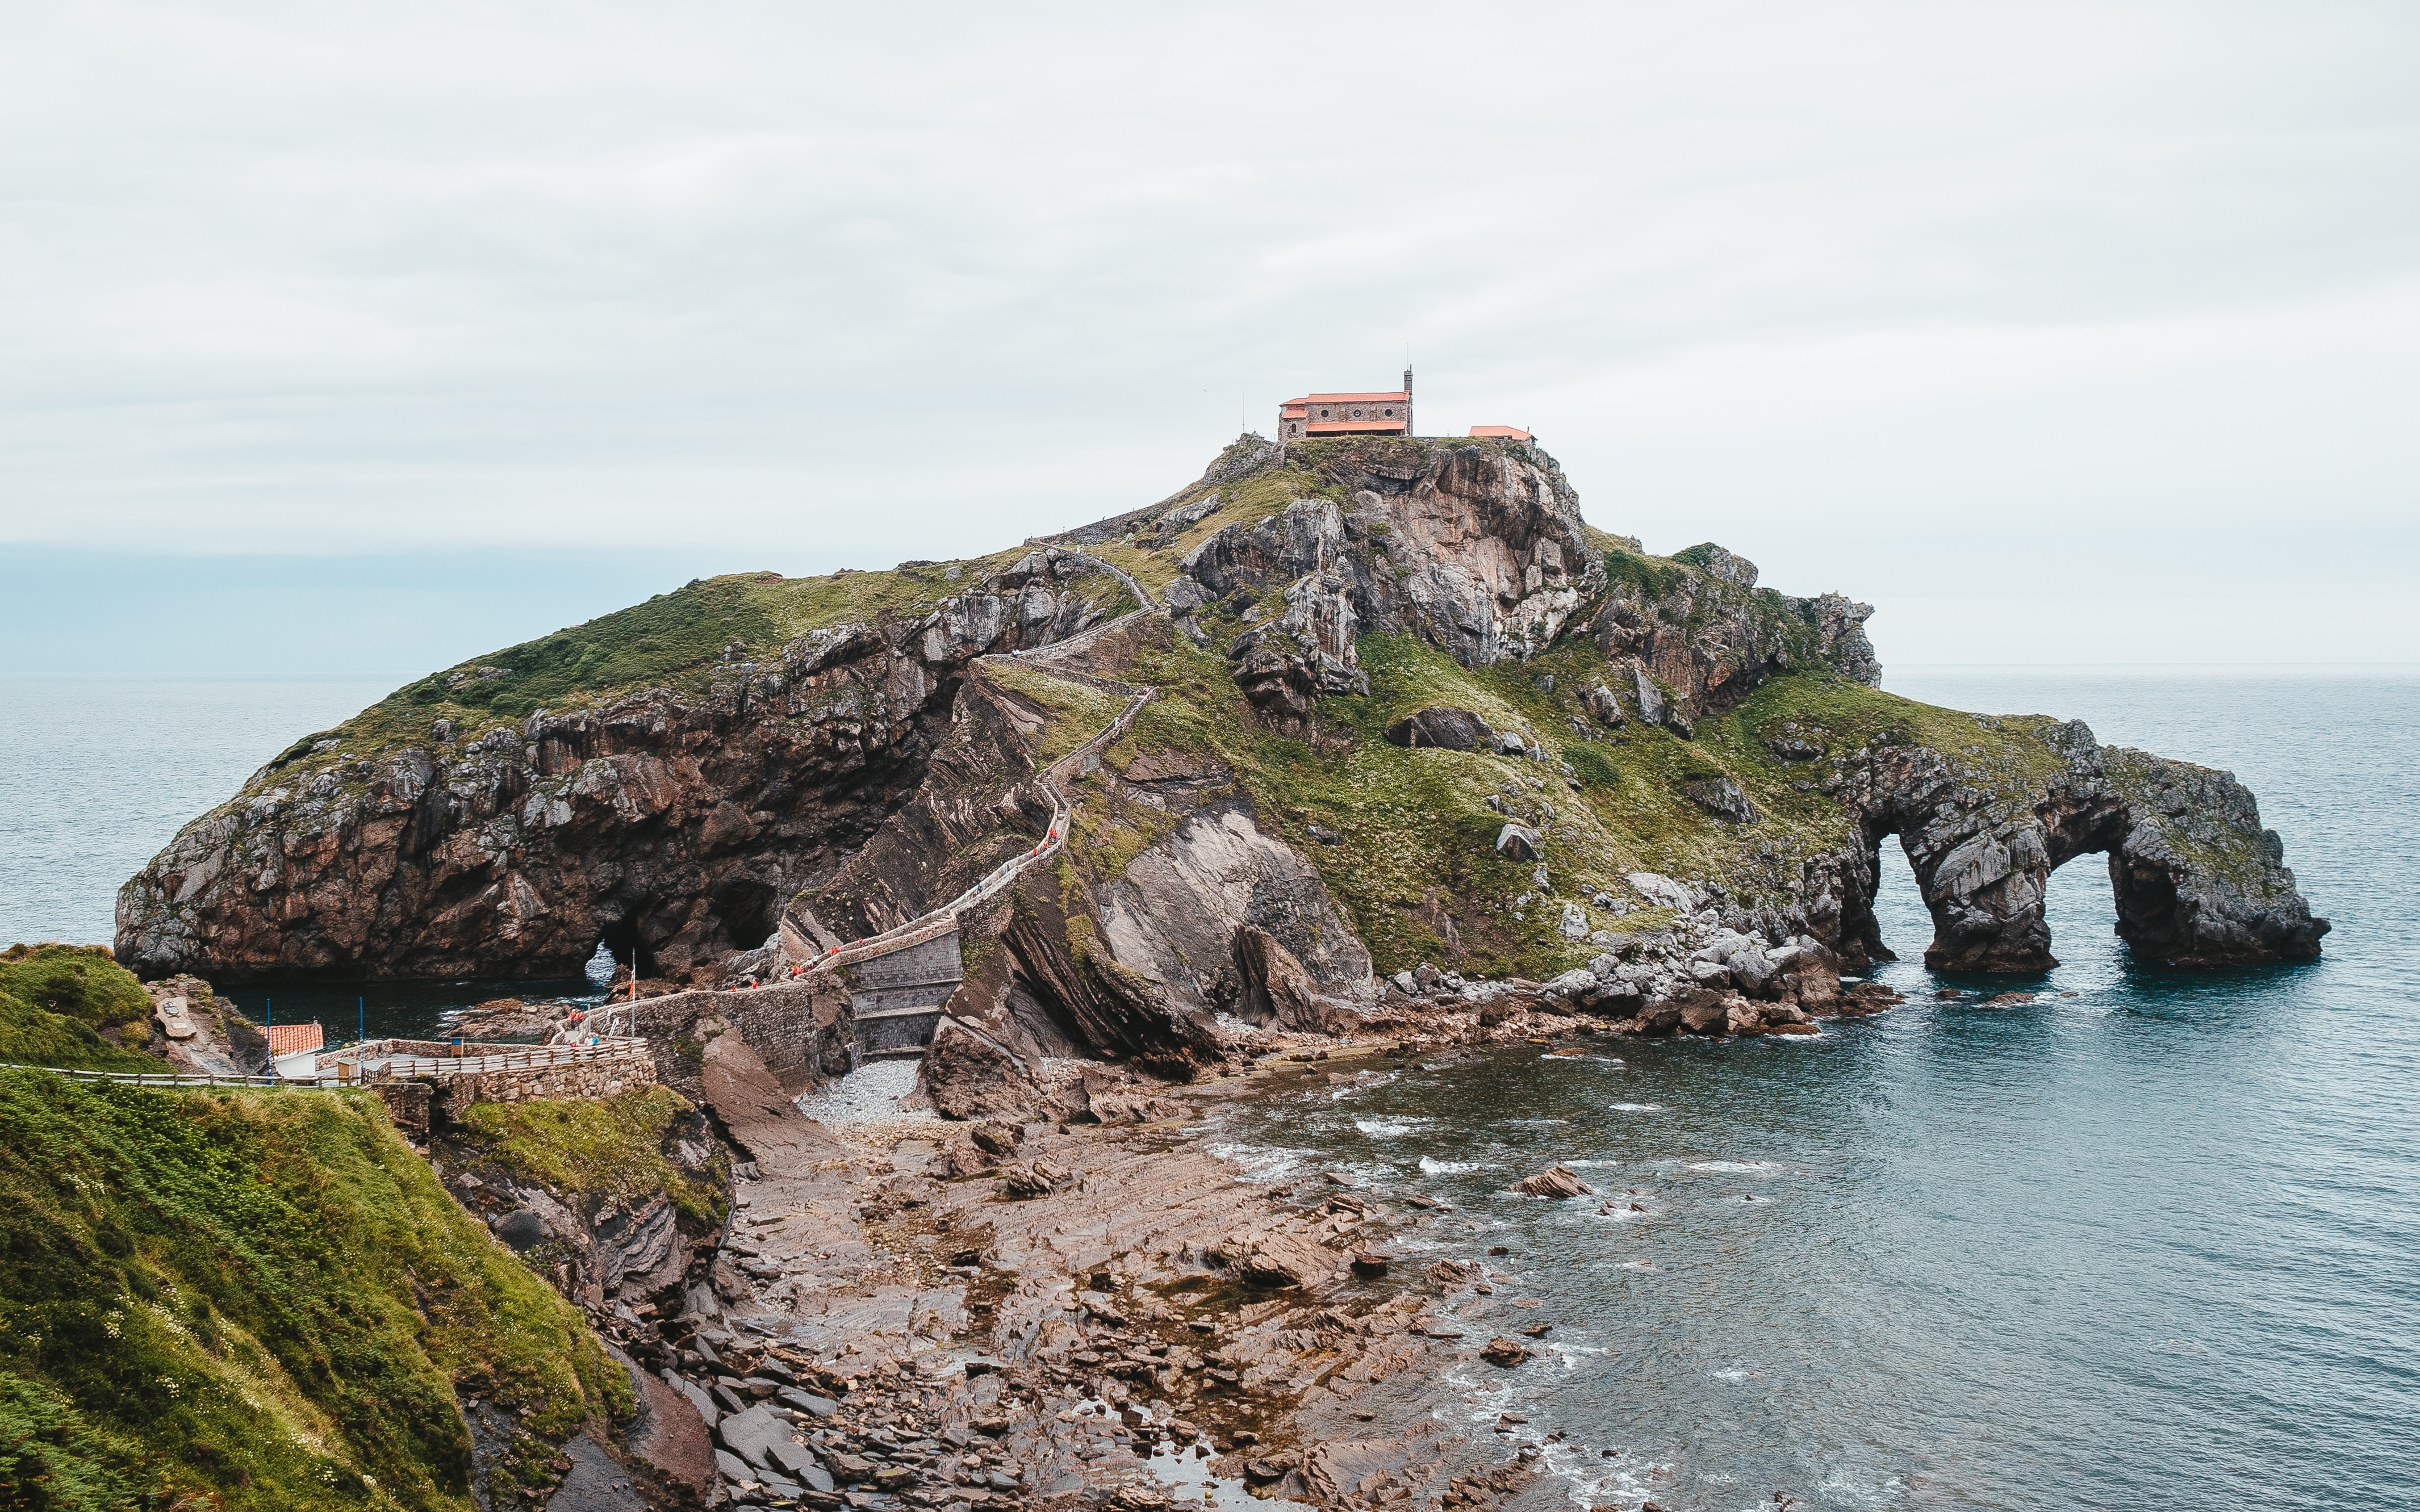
1736 1168
1389 1127
1733 1374
1638 1265
1638 1107
1258 1161
1449 1167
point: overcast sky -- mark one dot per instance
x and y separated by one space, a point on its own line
2060 332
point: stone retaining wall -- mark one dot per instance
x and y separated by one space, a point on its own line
805 1032
604 1077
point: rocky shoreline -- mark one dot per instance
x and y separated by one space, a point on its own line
905 1311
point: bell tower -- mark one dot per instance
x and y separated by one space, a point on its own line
1409 429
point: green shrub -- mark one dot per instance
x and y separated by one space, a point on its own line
78 981
55 1001
262 1299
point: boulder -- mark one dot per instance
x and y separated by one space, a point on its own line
1578 982
1755 971
971 1074
1553 1182
1441 725
1034 1178
1520 844
1705 1012
1446 1273
1504 1352
753 1434
1651 696
798 1462
1606 706
1274 1257
1660 890
1575 922
1659 1017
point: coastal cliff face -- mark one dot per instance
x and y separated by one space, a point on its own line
670 817
1408 709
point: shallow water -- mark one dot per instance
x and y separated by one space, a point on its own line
2156 1244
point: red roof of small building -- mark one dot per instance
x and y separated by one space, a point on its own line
1397 398
285 1039
1507 433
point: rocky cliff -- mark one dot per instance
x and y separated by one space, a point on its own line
1408 708
661 780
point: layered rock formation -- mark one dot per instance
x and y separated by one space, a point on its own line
1481 552
670 820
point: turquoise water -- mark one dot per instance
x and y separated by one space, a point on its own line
2155 1245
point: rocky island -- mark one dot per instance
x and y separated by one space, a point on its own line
1350 753
1410 709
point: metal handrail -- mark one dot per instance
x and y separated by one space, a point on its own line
942 921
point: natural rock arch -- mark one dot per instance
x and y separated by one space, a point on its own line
2198 881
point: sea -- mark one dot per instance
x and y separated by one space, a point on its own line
2148 1241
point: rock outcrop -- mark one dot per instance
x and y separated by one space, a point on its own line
2198 881
669 822
1481 552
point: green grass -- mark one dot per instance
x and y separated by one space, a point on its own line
613 1145
60 1003
1074 713
1416 824
257 1301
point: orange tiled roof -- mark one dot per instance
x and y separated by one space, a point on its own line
1398 397
285 1039
1509 433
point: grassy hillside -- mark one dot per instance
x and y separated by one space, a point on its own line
71 1005
1417 832
257 1301
674 640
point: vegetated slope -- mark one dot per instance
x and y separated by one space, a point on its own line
71 1005
1626 715
259 1300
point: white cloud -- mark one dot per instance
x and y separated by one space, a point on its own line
2016 303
